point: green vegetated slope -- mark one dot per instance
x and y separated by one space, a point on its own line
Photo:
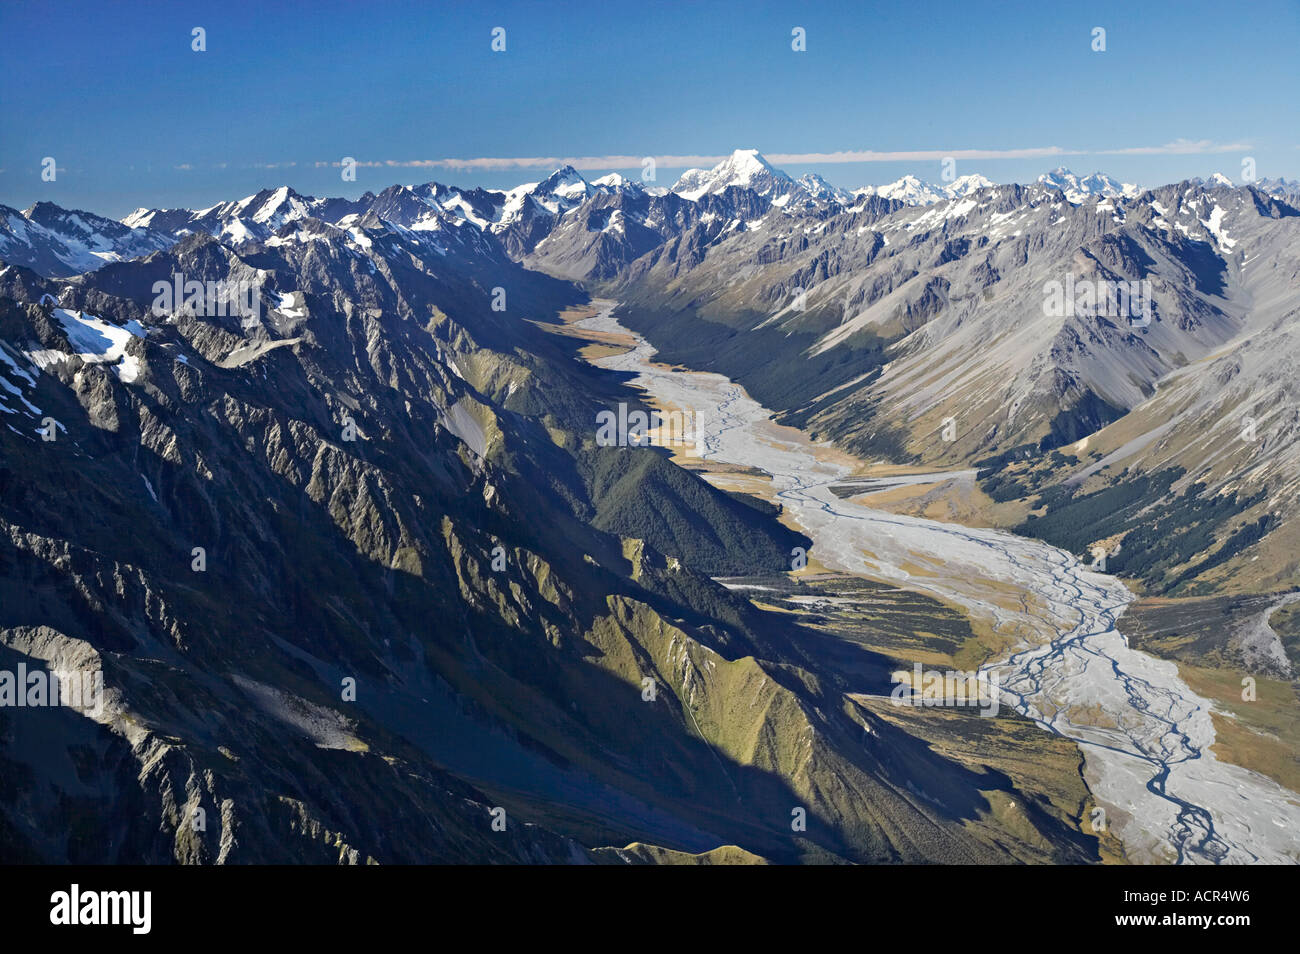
1167 537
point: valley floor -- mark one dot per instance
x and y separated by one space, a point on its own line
1050 623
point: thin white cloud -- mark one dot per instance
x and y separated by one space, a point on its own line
1178 147
918 155
537 162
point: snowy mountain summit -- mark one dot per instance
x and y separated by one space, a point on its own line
1077 188
745 168
911 190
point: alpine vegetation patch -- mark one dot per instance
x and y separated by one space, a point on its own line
953 688
1130 301
638 428
219 299
42 688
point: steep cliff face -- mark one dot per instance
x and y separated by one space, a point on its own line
278 540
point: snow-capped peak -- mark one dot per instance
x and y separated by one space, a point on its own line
819 188
616 183
747 162
1077 189
59 241
140 218
562 190
912 190
1219 179
1281 188
280 206
909 190
566 181
745 168
964 185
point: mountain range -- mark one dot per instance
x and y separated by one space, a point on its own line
857 313
385 482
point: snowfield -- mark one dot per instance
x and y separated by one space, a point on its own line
98 342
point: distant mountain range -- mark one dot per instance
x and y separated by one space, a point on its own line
62 242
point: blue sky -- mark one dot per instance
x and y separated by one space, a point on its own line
133 116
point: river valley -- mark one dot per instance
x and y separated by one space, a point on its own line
1146 736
